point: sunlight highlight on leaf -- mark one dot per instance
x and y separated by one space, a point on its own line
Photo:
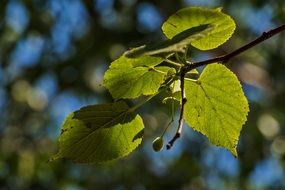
187 18
133 77
216 106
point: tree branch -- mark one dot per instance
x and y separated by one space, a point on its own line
181 117
227 57
223 59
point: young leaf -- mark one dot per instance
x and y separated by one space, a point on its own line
177 44
100 133
174 92
188 18
175 86
130 78
216 106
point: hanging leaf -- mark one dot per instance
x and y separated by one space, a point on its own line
100 133
216 106
132 77
185 19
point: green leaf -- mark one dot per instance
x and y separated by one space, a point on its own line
100 133
216 106
188 18
177 44
132 77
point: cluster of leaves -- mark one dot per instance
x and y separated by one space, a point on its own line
213 101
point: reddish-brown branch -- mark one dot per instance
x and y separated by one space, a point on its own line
227 57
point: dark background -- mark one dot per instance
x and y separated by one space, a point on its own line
53 55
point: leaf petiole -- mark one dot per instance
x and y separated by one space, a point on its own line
172 62
172 118
156 70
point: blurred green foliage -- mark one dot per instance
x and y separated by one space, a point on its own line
53 55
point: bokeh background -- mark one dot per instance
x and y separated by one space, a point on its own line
53 54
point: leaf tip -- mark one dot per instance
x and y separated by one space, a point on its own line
234 152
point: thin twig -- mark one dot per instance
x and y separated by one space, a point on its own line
227 57
181 117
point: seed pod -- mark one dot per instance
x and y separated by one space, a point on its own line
157 144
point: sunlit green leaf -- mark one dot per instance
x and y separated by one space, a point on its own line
100 133
216 106
132 77
185 19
